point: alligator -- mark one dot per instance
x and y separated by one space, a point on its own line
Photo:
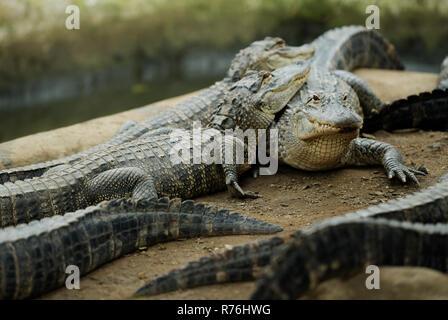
263 55
144 168
319 128
34 257
409 231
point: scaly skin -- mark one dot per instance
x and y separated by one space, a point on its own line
267 55
427 110
34 257
409 231
142 169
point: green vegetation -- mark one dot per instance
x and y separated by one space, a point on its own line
34 40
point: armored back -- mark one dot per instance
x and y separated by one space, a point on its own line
352 47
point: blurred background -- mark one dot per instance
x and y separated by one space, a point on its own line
128 53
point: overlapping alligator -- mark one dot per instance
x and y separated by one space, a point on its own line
143 169
318 130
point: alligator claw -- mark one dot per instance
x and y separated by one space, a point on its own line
404 173
236 191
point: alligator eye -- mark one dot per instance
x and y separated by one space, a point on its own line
266 77
344 98
266 74
314 99
279 43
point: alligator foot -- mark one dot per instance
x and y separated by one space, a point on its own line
398 170
236 191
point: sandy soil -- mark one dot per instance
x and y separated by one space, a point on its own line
293 199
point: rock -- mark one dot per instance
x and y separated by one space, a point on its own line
396 283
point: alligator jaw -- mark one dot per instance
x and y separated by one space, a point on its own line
324 128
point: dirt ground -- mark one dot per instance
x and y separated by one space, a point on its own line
294 199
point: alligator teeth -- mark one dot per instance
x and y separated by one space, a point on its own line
324 126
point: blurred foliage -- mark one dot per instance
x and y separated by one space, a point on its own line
34 40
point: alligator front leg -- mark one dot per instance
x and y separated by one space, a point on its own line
370 102
118 183
369 152
231 173
252 104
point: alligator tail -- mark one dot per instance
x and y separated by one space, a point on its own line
427 111
28 172
27 200
241 263
34 257
351 47
341 248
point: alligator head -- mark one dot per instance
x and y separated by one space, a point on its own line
268 54
319 123
253 101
